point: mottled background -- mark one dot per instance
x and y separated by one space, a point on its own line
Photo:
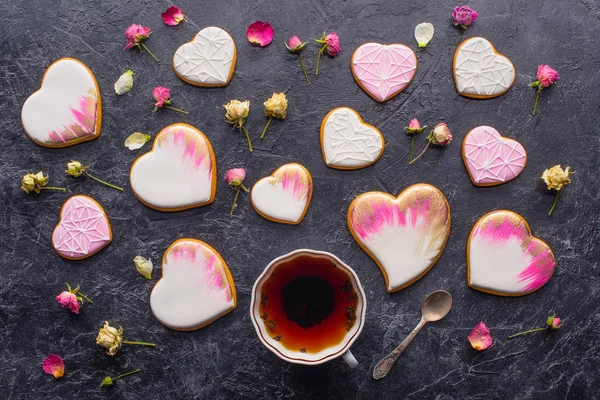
225 360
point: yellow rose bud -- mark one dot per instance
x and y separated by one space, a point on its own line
110 338
74 168
556 178
236 112
29 184
276 106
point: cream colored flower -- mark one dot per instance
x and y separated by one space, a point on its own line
276 106
110 338
236 112
125 83
74 168
34 182
424 33
556 178
143 266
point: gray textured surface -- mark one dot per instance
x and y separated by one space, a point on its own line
225 359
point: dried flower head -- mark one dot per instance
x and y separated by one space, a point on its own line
36 183
276 106
552 324
162 98
556 178
135 35
546 76
330 43
236 112
235 179
69 301
110 338
295 46
76 169
464 16
440 135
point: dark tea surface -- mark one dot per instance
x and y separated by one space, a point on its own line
308 304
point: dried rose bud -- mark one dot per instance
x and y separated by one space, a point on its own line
441 135
110 338
235 178
330 43
236 113
553 323
480 337
135 35
74 168
68 300
36 183
124 83
295 45
464 16
546 75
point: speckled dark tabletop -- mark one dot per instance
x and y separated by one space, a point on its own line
225 360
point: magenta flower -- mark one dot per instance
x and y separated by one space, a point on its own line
54 365
136 34
440 135
552 324
329 43
480 337
68 300
260 33
414 124
235 178
295 46
162 96
463 16
546 76
413 129
173 16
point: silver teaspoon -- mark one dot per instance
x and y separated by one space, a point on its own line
435 307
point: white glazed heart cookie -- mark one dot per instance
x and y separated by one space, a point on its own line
480 72
195 289
178 173
67 108
347 142
284 196
208 59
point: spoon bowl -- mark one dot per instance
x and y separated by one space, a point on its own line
436 306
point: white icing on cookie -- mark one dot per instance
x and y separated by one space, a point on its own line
347 142
479 71
65 109
208 60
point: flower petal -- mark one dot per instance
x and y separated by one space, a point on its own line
124 83
143 266
54 365
480 337
172 16
424 33
136 140
260 33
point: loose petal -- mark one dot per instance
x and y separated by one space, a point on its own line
54 365
173 16
143 266
480 337
260 33
125 83
136 140
424 33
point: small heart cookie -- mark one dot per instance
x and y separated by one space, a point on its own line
83 228
207 60
67 108
178 173
195 289
490 158
503 258
284 196
404 235
347 142
383 71
480 72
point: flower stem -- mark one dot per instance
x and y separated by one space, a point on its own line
127 373
304 69
85 297
53 188
247 137
177 109
103 182
526 332
266 127
321 50
149 52
244 187
554 204
139 343
412 148
537 97
237 193
423 152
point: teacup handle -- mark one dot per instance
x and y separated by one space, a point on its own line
350 359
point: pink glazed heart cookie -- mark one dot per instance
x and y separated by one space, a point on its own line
503 258
83 229
404 235
490 158
383 71
196 287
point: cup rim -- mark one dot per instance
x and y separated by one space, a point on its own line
349 341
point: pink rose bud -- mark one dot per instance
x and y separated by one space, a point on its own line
546 75
235 176
173 16
480 337
414 124
68 300
161 95
135 34
441 135
295 45
553 323
333 44
260 33
54 365
464 16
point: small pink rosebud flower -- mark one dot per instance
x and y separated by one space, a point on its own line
463 16
546 75
441 135
162 95
260 33
295 45
54 365
235 177
173 16
135 34
68 300
414 124
553 323
333 44
480 337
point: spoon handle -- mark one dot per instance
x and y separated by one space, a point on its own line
385 365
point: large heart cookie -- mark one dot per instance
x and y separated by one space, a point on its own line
284 196
480 72
404 235
196 287
178 173
490 158
383 71
67 109
83 228
504 259
208 60
347 142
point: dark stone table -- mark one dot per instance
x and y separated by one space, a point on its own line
225 360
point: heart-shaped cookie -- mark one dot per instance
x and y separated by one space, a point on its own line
404 235
504 259
284 196
83 228
178 173
382 70
67 108
195 289
208 60
490 158
347 142
480 72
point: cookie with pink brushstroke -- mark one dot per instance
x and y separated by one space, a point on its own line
503 258
285 195
404 235
196 287
66 109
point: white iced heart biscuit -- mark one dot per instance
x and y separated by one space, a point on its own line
208 60
196 287
404 235
67 108
284 196
178 173
479 71
347 142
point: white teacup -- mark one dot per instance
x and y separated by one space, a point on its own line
309 358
